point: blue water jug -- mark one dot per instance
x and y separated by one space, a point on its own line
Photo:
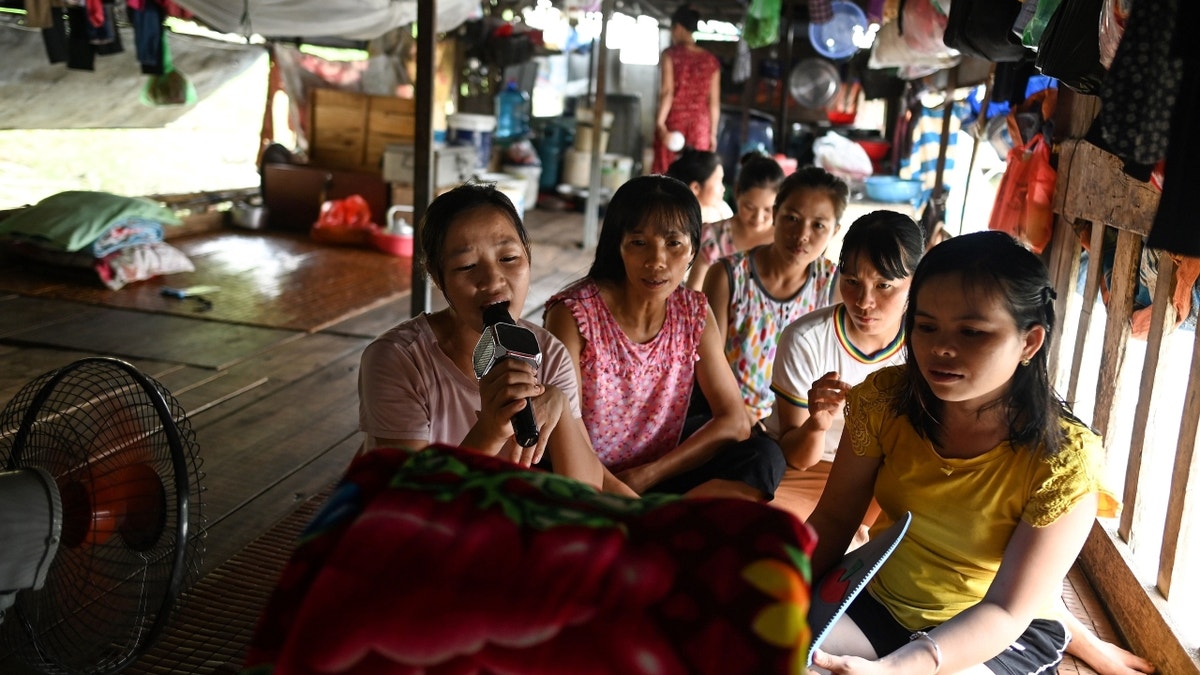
512 113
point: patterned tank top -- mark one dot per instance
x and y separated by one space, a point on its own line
756 319
635 396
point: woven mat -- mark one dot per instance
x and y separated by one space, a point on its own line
270 279
210 634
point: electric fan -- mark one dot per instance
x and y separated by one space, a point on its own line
100 517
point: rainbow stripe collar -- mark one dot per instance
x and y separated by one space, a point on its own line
840 317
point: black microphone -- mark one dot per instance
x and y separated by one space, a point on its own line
504 339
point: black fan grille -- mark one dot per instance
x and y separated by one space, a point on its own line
124 455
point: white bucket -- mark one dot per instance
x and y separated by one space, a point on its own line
615 170
473 130
513 187
532 175
577 168
583 129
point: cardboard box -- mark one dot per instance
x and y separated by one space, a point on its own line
350 131
451 165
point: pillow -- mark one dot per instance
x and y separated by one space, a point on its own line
445 560
141 262
72 220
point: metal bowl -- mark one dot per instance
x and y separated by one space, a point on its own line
248 216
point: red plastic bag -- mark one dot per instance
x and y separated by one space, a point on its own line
1024 202
344 221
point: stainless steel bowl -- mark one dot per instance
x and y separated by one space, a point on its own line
248 216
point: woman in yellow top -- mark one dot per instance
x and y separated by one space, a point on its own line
1002 481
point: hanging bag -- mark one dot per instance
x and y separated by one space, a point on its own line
984 28
1024 202
1070 47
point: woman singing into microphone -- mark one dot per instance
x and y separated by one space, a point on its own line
417 384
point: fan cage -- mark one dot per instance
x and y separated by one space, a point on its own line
110 593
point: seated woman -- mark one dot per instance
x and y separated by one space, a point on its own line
753 224
820 356
640 339
755 294
417 383
879 254
702 172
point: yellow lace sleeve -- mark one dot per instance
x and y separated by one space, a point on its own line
1073 472
867 406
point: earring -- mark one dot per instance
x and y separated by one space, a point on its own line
1024 362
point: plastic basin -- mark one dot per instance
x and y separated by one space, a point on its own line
893 189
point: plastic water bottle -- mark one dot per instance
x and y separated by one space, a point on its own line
512 113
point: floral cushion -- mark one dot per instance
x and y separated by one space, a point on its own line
446 561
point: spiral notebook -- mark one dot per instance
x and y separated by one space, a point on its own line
838 588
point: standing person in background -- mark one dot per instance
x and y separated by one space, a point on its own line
702 172
753 224
689 98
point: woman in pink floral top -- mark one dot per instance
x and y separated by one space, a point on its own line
640 339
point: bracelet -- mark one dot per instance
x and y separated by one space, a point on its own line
937 650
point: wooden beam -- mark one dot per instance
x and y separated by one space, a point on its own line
1138 612
1093 186
1065 252
1091 288
1181 500
1117 329
1162 314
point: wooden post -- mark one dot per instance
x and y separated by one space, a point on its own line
423 143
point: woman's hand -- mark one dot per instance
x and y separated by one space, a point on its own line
845 665
548 410
825 399
639 478
502 393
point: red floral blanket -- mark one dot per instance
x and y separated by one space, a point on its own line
445 561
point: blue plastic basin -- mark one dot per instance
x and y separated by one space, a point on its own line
893 189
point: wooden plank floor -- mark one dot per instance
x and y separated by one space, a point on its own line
275 416
268 378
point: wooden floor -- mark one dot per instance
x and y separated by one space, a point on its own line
271 393
270 390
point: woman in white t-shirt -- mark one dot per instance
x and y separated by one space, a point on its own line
417 383
822 354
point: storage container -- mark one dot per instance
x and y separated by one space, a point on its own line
513 187
466 129
893 189
583 129
512 113
451 165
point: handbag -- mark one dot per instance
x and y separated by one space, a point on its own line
984 28
1070 47
1024 202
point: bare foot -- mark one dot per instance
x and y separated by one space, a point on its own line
1107 658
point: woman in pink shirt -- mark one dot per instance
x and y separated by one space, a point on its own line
640 339
417 384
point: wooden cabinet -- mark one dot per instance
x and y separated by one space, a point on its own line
351 131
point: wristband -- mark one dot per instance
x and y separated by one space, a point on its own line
937 650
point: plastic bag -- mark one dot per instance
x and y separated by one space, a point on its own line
841 157
1024 202
1112 27
344 221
